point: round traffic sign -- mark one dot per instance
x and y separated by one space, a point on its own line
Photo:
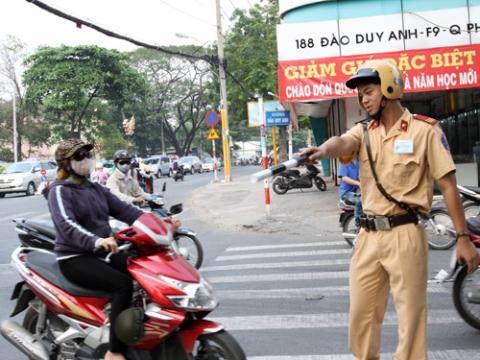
212 118
43 172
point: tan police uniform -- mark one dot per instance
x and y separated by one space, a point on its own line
407 160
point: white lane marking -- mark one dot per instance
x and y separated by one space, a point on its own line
277 265
279 277
19 215
317 321
311 293
432 355
286 246
285 254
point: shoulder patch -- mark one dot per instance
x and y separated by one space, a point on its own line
426 119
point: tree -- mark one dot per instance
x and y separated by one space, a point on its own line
177 100
251 53
12 52
66 85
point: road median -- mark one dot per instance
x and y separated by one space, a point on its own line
240 206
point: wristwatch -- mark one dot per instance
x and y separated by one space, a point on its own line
461 234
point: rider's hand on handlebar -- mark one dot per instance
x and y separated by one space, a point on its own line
109 244
140 200
313 153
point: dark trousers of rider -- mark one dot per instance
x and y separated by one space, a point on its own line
93 273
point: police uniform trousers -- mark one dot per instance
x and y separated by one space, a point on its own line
395 260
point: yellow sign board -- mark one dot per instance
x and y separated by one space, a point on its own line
213 135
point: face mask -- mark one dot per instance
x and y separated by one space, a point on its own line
123 168
81 168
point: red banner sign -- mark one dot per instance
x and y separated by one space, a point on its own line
423 70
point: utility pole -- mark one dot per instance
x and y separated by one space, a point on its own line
223 96
15 150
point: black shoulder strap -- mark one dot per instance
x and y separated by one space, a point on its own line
382 190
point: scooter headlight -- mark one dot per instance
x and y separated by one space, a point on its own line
198 296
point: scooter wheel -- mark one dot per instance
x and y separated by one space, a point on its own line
220 345
468 311
279 186
320 183
348 227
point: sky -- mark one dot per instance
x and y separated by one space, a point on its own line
152 21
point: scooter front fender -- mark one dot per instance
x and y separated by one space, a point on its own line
185 231
192 332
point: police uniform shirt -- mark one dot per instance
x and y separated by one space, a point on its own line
407 160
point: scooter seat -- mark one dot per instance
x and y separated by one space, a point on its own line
473 224
46 265
42 226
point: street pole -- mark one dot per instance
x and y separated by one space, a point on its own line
223 95
15 150
274 141
215 178
263 144
290 143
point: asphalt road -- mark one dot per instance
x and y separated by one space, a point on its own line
282 297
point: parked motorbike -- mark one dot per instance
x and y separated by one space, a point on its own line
471 200
41 233
435 223
293 179
347 222
165 320
466 287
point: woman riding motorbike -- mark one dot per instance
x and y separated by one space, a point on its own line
80 211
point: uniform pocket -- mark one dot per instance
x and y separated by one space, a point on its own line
406 170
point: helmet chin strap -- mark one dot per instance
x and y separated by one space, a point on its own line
378 115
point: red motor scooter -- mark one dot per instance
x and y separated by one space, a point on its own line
165 320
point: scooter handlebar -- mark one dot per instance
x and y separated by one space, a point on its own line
274 170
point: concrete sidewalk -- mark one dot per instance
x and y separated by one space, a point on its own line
240 206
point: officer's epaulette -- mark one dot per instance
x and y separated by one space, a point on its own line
426 119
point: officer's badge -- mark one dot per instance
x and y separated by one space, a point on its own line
445 142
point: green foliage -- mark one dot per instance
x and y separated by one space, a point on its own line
251 51
65 84
177 98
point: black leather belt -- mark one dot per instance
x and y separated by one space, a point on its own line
382 223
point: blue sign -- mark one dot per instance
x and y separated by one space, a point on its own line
277 118
212 118
43 178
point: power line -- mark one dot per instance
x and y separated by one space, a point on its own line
211 59
185 13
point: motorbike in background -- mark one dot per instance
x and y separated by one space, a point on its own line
178 173
165 320
471 200
293 179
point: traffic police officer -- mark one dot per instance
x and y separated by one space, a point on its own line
408 153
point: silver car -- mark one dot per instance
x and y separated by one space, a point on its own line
191 164
160 165
25 176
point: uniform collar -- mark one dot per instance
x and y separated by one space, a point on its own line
402 125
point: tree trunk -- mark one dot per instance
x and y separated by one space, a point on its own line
282 151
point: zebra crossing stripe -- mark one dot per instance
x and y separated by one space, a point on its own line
286 246
308 293
276 265
317 321
284 254
279 277
432 355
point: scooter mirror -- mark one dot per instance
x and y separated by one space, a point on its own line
176 209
